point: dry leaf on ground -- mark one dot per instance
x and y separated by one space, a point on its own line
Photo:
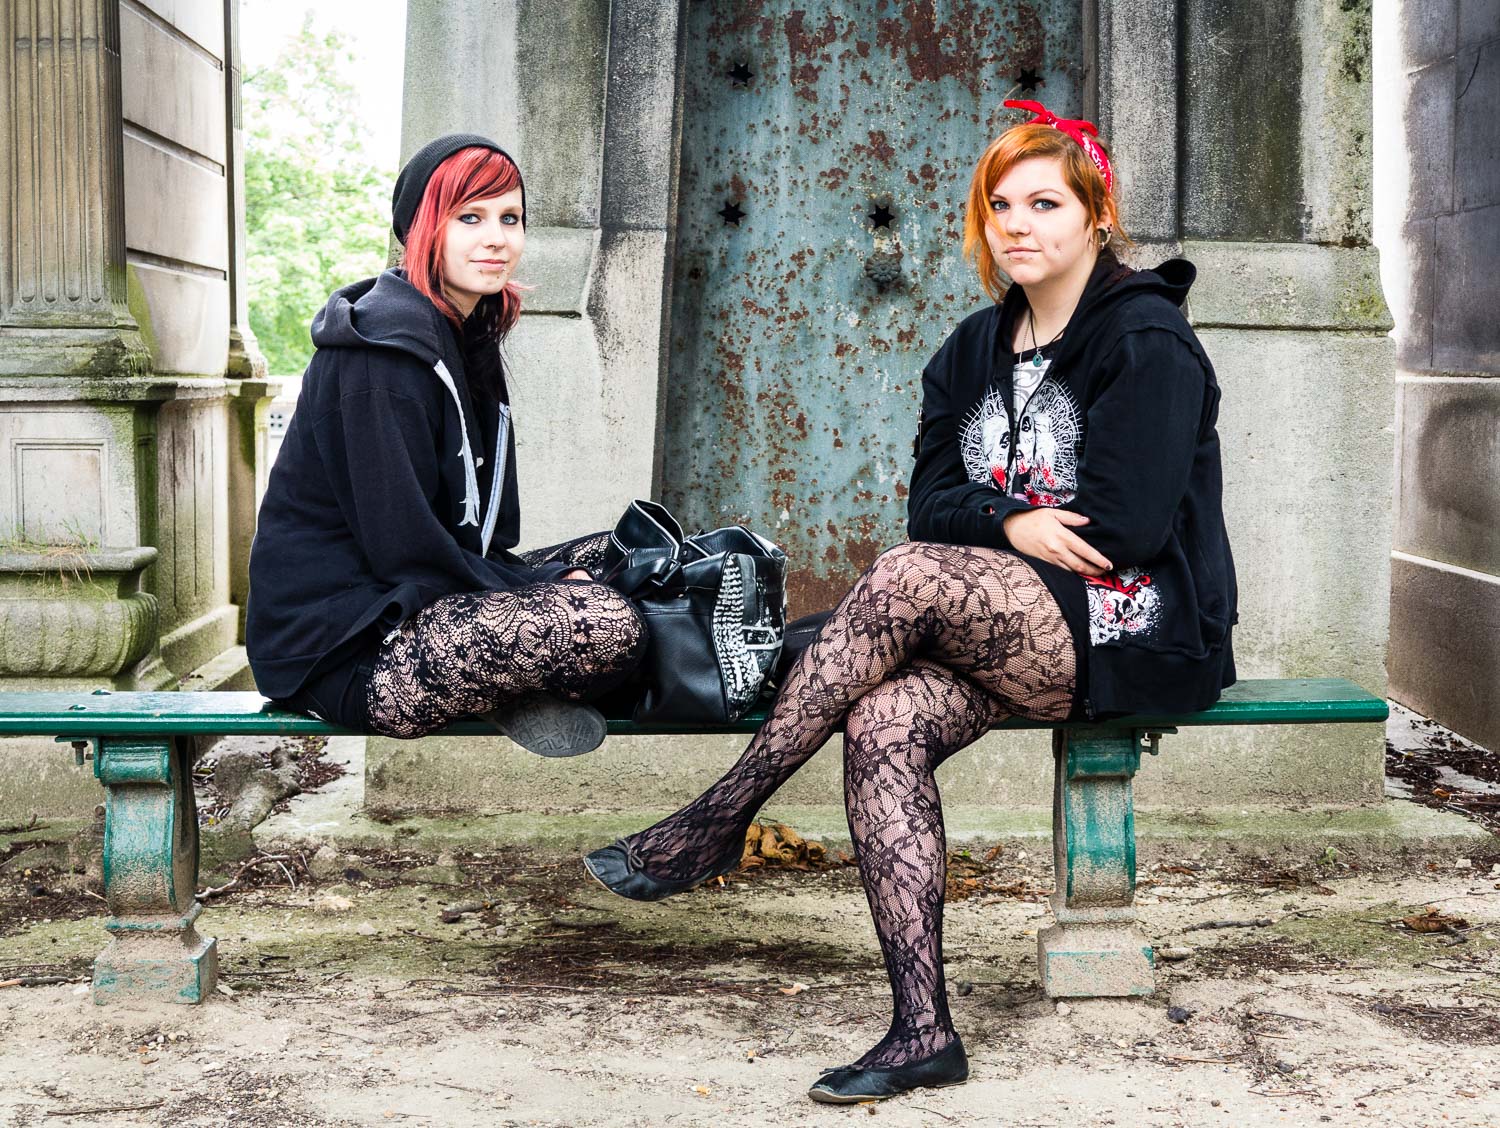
1434 921
777 844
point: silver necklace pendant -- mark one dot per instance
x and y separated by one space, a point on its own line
1036 359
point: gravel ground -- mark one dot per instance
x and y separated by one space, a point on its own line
1346 990
552 1003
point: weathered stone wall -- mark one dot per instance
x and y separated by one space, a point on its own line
583 95
1439 229
1243 131
124 473
192 573
1267 189
177 222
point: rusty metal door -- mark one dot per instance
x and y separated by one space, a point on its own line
826 154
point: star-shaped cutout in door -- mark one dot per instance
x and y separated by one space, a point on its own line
732 213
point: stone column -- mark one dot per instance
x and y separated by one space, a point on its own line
77 420
178 201
1135 49
1242 134
62 290
1437 138
77 407
245 359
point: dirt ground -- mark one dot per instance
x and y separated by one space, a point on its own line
1344 991
349 1001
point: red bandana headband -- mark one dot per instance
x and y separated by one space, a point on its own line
1078 130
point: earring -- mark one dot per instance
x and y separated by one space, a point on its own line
1104 234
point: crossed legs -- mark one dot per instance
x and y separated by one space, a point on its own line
931 645
470 653
894 738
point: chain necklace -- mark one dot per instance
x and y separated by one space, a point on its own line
1036 360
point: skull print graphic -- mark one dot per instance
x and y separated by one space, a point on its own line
1043 469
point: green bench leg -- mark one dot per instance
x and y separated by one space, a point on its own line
1095 948
151 874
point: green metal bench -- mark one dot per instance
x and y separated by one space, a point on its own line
142 748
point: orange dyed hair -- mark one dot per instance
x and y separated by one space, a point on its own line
468 175
1019 143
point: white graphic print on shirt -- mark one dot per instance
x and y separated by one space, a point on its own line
1045 469
1045 472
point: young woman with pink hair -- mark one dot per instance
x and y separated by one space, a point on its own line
384 595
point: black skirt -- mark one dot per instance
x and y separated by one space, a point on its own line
337 692
1072 598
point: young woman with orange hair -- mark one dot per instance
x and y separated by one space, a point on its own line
383 592
1068 560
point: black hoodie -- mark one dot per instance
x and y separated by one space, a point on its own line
1122 430
385 495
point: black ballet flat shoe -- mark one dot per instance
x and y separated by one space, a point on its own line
848 1085
618 869
550 727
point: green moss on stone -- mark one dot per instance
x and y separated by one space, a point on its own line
1365 307
140 308
1354 43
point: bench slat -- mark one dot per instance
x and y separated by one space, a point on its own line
1268 701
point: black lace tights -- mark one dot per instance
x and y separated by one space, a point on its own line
469 653
930 647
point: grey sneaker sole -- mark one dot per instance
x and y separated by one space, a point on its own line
549 727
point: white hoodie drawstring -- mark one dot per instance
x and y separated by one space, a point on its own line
471 479
497 483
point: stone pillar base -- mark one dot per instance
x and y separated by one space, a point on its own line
1094 961
76 618
167 962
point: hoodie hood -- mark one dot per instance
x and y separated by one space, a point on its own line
386 311
1109 288
1173 279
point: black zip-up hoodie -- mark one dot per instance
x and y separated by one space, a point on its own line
385 495
1122 430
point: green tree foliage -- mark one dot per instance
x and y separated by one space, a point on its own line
316 209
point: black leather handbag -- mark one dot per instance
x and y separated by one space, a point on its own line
715 611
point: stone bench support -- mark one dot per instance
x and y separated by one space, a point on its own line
1095 948
151 874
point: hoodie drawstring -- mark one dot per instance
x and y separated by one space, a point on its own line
471 479
497 483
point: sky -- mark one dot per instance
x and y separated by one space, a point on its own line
377 37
